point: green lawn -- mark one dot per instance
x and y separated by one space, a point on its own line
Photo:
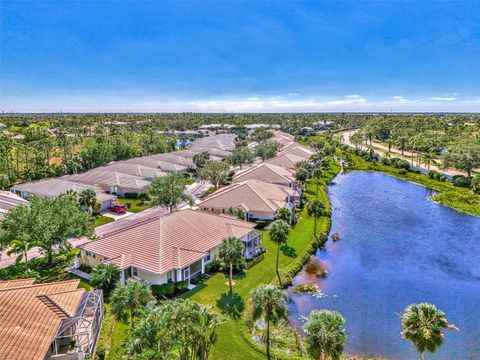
214 291
135 205
102 220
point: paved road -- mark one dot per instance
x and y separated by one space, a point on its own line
345 137
194 190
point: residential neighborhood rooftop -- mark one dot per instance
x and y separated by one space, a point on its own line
162 243
268 173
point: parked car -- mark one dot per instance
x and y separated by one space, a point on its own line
118 208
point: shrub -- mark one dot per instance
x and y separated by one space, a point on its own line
130 196
433 174
462 181
305 288
163 290
181 286
400 163
402 171
213 266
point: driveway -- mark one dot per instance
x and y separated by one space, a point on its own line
116 216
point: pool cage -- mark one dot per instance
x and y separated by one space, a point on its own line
79 334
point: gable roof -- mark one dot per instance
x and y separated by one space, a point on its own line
140 170
30 315
268 173
288 161
161 243
250 195
109 177
9 200
157 164
54 187
298 150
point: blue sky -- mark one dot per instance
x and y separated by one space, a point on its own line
240 56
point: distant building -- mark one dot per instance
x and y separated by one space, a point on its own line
48 321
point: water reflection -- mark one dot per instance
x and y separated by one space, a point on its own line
396 247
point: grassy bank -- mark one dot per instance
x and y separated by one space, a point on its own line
234 342
460 199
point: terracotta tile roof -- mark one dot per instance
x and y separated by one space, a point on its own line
162 243
31 314
250 195
7 284
288 161
267 173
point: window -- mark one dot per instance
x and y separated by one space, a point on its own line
134 271
208 257
170 276
91 254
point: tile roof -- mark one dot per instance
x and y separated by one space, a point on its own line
268 173
157 164
31 314
142 171
109 177
54 187
251 195
288 161
8 200
162 243
298 150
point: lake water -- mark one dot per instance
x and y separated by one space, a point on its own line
397 247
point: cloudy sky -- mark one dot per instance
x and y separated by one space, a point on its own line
239 56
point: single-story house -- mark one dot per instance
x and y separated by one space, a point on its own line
298 150
9 200
190 153
268 173
145 172
287 161
48 321
169 248
175 159
51 188
259 200
224 142
111 181
164 166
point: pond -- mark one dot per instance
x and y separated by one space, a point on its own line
396 247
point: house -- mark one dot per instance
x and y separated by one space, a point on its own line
111 181
51 188
268 173
260 200
174 247
283 138
145 172
297 150
9 200
286 160
225 142
190 153
174 159
48 321
164 166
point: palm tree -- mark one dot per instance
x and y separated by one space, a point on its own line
423 325
427 158
284 214
127 300
231 252
325 334
279 230
88 199
268 302
21 247
315 208
105 276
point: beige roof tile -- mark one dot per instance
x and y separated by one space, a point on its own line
251 195
267 173
159 244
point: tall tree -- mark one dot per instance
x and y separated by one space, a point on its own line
241 156
464 156
215 172
201 159
128 300
169 191
231 252
267 149
278 233
423 325
315 208
47 223
285 215
268 302
325 335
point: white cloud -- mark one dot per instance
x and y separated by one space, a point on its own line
353 96
442 98
292 94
